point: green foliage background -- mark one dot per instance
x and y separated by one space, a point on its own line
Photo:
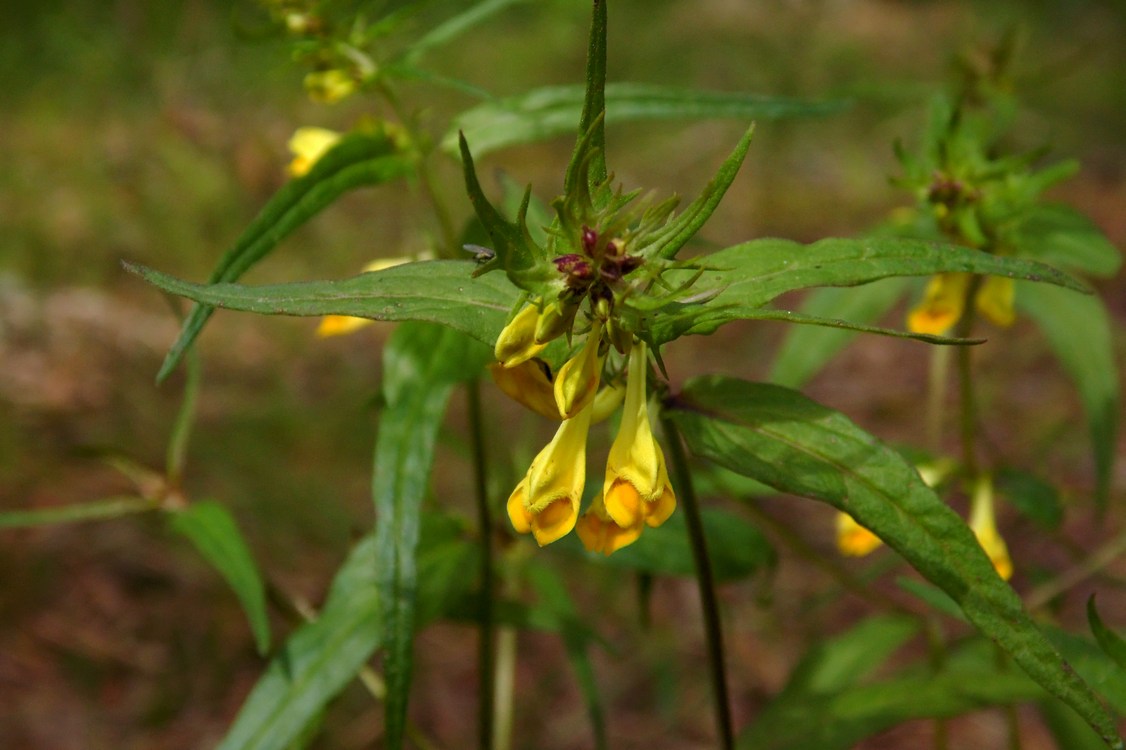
154 132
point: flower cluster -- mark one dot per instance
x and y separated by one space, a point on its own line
636 491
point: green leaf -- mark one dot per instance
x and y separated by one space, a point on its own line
592 119
421 364
848 658
440 291
778 436
316 662
358 159
552 111
1061 236
514 252
1112 644
321 657
1068 728
1032 496
98 510
737 548
741 279
1078 331
839 720
679 230
557 603
452 28
215 535
807 349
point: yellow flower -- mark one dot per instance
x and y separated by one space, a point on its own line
528 383
517 342
329 86
338 325
637 484
945 297
600 533
995 300
984 526
577 381
546 502
853 539
308 144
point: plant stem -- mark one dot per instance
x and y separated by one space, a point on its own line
968 410
1098 560
485 664
682 478
936 396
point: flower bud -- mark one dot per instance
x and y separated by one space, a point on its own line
517 342
577 381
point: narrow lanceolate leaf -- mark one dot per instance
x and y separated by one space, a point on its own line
421 364
1112 644
317 661
215 535
807 349
1078 331
452 28
321 657
668 241
553 111
357 160
1061 236
765 430
440 291
97 510
838 720
743 278
592 119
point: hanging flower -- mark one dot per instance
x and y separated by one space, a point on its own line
600 533
853 539
577 382
637 485
944 302
517 342
984 525
546 502
308 144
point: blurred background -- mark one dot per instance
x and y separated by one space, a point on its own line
153 132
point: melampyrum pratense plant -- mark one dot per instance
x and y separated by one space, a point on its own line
569 308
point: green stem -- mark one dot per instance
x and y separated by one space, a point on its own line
682 478
1099 559
968 403
936 396
485 664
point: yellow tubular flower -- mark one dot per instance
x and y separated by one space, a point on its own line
637 485
308 144
546 502
942 304
995 300
853 539
517 342
577 381
338 325
528 383
600 533
984 526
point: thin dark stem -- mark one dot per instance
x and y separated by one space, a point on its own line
968 410
485 645
682 479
